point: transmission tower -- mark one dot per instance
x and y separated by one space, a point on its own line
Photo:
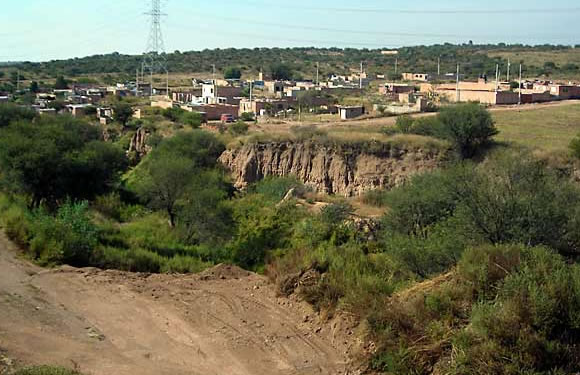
154 60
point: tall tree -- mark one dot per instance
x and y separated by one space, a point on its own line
57 157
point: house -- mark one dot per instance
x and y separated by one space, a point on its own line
350 112
213 112
4 98
265 106
275 88
77 109
565 91
532 96
424 77
185 96
396 88
481 91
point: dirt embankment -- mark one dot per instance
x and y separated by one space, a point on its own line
223 321
342 170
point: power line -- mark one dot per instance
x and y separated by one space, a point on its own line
369 32
415 11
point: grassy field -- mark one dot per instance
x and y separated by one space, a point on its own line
549 128
538 58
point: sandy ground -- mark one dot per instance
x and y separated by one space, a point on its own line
223 321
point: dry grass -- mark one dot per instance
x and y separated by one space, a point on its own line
546 128
538 58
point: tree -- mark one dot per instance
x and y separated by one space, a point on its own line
57 157
281 72
61 83
34 87
169 178
232 73
469 126
11 113
122 112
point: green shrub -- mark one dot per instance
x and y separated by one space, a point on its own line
184 264
15 219
247 117
113 207
69 237
238 128
131 260
274 189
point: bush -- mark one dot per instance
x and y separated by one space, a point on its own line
274 189
247 116
238 128
69 237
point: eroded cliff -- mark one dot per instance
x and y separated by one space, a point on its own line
346 170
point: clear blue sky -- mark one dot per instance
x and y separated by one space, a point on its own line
40 30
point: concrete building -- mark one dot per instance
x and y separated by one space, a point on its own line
263 107
77 109
350 112
424 77
213 112
396 88
532 96
565 91
275 88
482 92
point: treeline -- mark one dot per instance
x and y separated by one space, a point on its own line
474 59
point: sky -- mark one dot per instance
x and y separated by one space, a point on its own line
41 30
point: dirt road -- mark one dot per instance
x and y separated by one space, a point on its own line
224 321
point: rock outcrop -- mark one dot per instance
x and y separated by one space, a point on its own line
346 170
138 144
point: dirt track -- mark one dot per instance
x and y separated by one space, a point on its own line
225 321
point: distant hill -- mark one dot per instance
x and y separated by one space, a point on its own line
474 60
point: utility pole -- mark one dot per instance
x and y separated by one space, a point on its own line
508 70
18 80
496 77
396 65
458 96
137 82
520 91
438 67
360 76
317 73
213 73
251 93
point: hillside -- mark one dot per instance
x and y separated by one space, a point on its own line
475 60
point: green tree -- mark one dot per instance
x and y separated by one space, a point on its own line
122 112
57 157
11 113
469 126
281 72
34 87
233 73
170 177
61 83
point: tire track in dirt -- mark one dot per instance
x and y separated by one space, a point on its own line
223 321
